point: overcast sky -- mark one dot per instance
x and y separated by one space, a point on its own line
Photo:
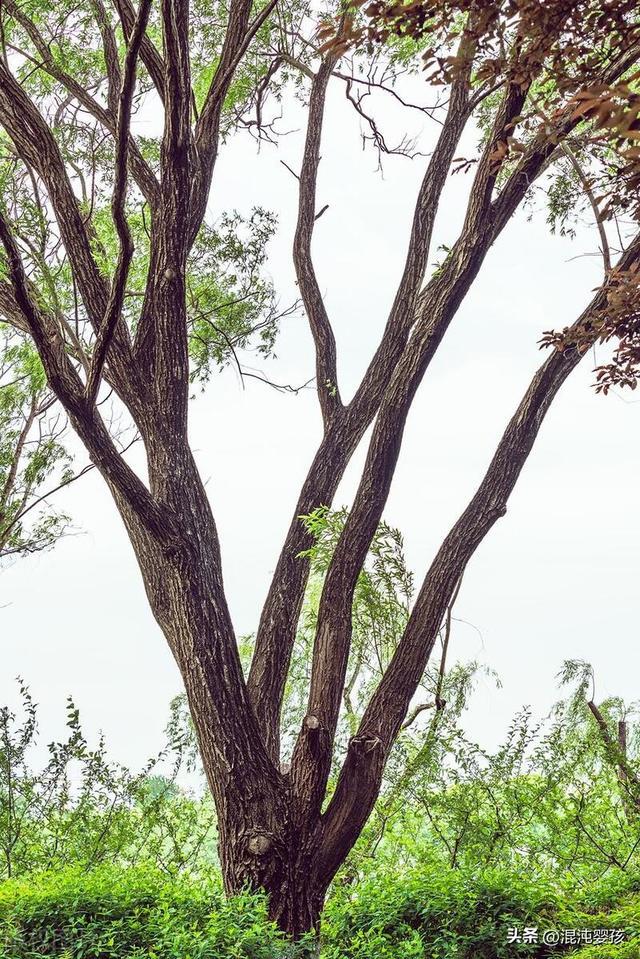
557 578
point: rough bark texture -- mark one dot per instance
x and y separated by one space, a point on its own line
274 830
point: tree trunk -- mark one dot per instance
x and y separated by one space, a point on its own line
261 844
294 893
280 863
296 912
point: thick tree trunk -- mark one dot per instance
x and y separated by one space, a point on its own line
262 843
279 862
295 894
296 911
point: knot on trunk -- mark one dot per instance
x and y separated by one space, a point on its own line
259 845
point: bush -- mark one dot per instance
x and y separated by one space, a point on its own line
451 914
111 913
433 913
438 913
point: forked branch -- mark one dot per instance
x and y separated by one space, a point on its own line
149 54
239 34
67 385
278 622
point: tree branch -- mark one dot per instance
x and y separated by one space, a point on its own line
140 169
536 156
161 344
588 189
67 386
10 310
278 622
323 337
626 773
360 776
35 143
12 473
110 52
113 313
238 37
149 54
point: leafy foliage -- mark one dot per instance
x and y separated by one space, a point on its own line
232 306
82 809
110 914
435 912
618 321
464 844
550 799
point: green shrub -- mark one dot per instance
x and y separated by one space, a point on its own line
605 914
451 914
443 914
111 913
432 913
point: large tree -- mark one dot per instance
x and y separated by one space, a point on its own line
113 274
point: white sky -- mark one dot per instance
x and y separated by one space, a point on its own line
557 578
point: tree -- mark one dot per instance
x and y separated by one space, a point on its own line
118 290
